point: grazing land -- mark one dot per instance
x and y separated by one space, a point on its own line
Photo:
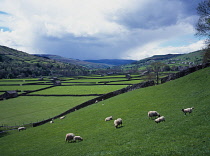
179 135
41 102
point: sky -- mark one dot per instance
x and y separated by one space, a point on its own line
100 29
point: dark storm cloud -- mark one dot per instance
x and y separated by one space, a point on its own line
156 13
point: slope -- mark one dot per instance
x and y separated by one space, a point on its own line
179 135
84 63
16 63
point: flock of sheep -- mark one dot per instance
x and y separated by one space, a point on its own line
162 118
118 122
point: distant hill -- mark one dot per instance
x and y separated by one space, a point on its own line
158 58
89 65
114 62
16 63
172 60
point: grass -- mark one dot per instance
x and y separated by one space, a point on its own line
23 88
81 90
32 109
179 135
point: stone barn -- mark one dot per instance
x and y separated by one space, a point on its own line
9 94
57 83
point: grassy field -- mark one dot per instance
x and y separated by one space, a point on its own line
81 90
32 109
179 135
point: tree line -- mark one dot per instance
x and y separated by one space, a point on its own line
19 69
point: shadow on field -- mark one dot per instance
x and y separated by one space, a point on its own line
3 133
120 127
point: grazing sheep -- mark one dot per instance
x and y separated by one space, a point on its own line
62 117
153 114
117 122
160 119
78 138
52 121
69 137
108 118
21 128
187 110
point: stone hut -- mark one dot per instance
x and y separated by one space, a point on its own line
57 83
9 94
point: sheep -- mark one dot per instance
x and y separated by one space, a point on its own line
160 119
117 122
69 137
21 128
153 114
62 117
78 138
52 121
108 118
187 110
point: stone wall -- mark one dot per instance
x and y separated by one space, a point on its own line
97 99
184 72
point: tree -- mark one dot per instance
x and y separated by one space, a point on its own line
203 26
157 67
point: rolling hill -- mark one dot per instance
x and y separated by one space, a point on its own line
179 135
16 63
113 62
86 64
173 61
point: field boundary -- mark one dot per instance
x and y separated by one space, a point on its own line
97 99
126 89
184 72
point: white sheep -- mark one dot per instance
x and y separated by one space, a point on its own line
108 118
160 119
21 128
78 138
52 121
117 122
69 137
153 114
62 117
187 110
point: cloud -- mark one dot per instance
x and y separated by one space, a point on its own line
94 29
151 49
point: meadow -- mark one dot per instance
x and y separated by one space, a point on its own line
179 135
29 109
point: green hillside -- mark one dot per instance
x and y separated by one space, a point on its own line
16 63
85 64
179 135
173 61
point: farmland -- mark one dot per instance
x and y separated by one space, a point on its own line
178 135
40 105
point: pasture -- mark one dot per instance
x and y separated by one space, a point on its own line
179 135
39 105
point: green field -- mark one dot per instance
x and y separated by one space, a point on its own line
79 90
24 110
179 135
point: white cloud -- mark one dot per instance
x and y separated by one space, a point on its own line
86 29
151 49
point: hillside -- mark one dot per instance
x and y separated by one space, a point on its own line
179 135
173 61
86 64
16 63
114 62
